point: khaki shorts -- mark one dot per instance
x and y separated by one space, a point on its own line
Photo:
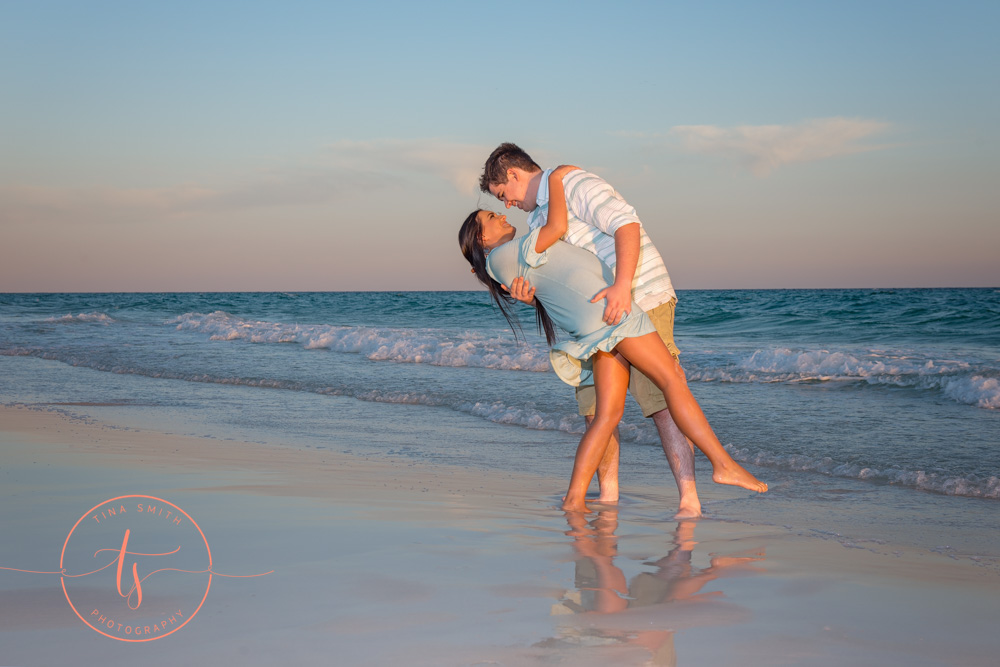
647 395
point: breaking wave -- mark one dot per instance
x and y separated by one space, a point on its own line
961 381
974 486
418 346
101 318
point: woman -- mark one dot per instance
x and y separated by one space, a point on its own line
565 278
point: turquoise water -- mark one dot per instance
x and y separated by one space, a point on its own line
865 391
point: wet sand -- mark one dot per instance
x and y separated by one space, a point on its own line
383 561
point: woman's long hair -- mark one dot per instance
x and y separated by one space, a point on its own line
470 241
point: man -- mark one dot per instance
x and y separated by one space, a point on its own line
603 223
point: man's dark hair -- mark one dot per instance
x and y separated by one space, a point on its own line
506 156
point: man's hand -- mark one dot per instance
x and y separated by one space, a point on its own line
619 302
521 290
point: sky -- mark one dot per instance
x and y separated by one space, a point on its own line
327 146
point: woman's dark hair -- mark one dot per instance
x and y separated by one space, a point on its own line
470 241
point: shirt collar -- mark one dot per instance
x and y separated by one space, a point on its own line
542 199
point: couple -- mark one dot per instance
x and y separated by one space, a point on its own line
576 221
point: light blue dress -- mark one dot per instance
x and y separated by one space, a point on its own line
565 279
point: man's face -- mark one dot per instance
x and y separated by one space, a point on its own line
514 191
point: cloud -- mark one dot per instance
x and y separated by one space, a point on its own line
301 186
329 177
459 164
764 148
35 204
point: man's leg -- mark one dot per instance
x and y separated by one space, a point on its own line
678 449
680 458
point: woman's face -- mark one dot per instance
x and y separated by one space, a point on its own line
495 230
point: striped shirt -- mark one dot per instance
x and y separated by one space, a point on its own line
596 212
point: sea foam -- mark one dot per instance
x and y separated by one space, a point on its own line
529 416
419 346
975 486
959 380
101 318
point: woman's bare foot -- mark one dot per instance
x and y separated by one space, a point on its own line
734 474
575 506
743 563
601 499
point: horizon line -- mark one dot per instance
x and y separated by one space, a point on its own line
413 291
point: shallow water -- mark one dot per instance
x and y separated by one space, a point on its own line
873 408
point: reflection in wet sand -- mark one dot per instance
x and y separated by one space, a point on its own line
609 616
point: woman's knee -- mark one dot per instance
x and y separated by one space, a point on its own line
608 416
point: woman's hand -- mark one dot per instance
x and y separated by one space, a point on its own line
561 171
557 217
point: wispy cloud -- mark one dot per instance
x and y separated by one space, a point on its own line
274 188
334 174
764 148
36 204
459 164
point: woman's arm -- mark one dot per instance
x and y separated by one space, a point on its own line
556 221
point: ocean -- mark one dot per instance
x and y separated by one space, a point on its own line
865 410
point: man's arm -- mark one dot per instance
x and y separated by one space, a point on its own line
619 295
597 204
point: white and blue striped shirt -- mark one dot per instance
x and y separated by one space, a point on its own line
596 212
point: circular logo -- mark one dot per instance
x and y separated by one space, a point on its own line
136 568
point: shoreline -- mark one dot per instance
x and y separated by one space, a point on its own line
383 560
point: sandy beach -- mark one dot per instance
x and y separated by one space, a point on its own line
382 561
259 405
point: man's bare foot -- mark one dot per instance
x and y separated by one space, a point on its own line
684 539
609 493
689 506
688 510
736 475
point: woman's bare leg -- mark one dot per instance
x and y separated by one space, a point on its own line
611 383
607 470
650 355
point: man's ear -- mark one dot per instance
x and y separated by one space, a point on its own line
511 174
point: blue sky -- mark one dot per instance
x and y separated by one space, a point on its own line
336 146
